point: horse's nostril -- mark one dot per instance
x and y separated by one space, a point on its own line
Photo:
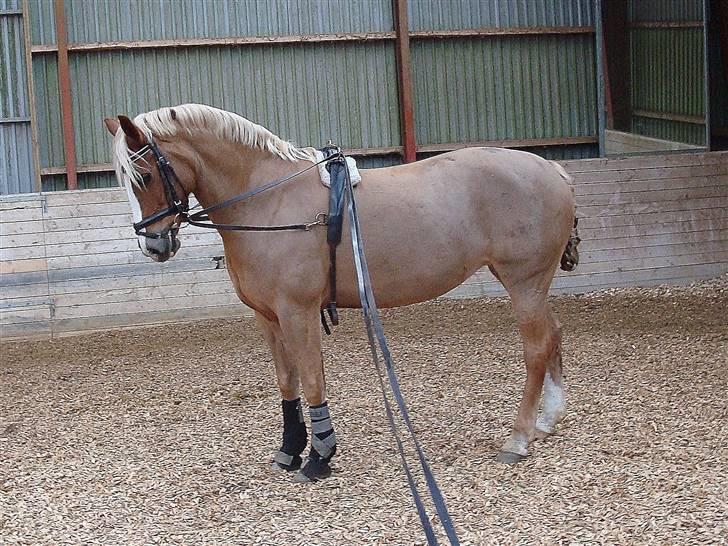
158 247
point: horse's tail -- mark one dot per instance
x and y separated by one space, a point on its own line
570 257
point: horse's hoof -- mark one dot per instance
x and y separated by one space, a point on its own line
313 471
540 434
283 461
509 457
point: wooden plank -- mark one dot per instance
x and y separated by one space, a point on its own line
19 228
110 234
105 265
28 330
619 143
574 284
92 209
25 314
640 230
148 295
85 197
712 212
719 192
23 278
91 222
192 303
590 182
686 159
654 240
636 252
633 175
636 209
106 284
25 302
636 278
21 240
20 213
89 248
133 320
19 291
219 42
22 254
23 266
620 265
584 192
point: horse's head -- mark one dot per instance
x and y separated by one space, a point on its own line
158 193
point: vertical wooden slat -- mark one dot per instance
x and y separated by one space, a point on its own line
27 43
404 77
64 83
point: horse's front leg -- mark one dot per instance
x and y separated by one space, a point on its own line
302 340
295 438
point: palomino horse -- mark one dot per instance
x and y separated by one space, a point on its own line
428 226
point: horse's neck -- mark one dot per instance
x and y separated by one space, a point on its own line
230 169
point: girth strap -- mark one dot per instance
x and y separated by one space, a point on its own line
334 223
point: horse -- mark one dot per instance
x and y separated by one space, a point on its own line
428 226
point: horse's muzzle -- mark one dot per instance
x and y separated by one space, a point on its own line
163 248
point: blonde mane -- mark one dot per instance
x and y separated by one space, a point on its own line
201 118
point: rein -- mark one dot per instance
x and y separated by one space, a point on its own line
375 333
180 208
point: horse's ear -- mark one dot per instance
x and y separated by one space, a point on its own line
134 137
112 125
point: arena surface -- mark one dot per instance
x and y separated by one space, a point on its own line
164 435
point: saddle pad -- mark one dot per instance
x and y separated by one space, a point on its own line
326 178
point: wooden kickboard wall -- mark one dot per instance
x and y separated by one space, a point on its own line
69 261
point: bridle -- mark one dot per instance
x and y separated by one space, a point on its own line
175 206
179 207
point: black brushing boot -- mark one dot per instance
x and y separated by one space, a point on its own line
294 437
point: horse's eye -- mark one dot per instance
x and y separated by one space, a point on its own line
146 177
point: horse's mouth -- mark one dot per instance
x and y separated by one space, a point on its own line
160 250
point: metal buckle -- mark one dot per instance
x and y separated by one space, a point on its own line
321 220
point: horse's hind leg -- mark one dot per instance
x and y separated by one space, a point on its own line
540 333
295 438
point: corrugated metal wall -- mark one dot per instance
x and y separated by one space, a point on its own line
91 21
309 92
16 159
667 70
306 93
505 87
465 14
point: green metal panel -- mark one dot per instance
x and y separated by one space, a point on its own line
378 161
16 149
504 88
304 93
668 71
665 10
47 103
86 181
467 14
127 20
13 91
